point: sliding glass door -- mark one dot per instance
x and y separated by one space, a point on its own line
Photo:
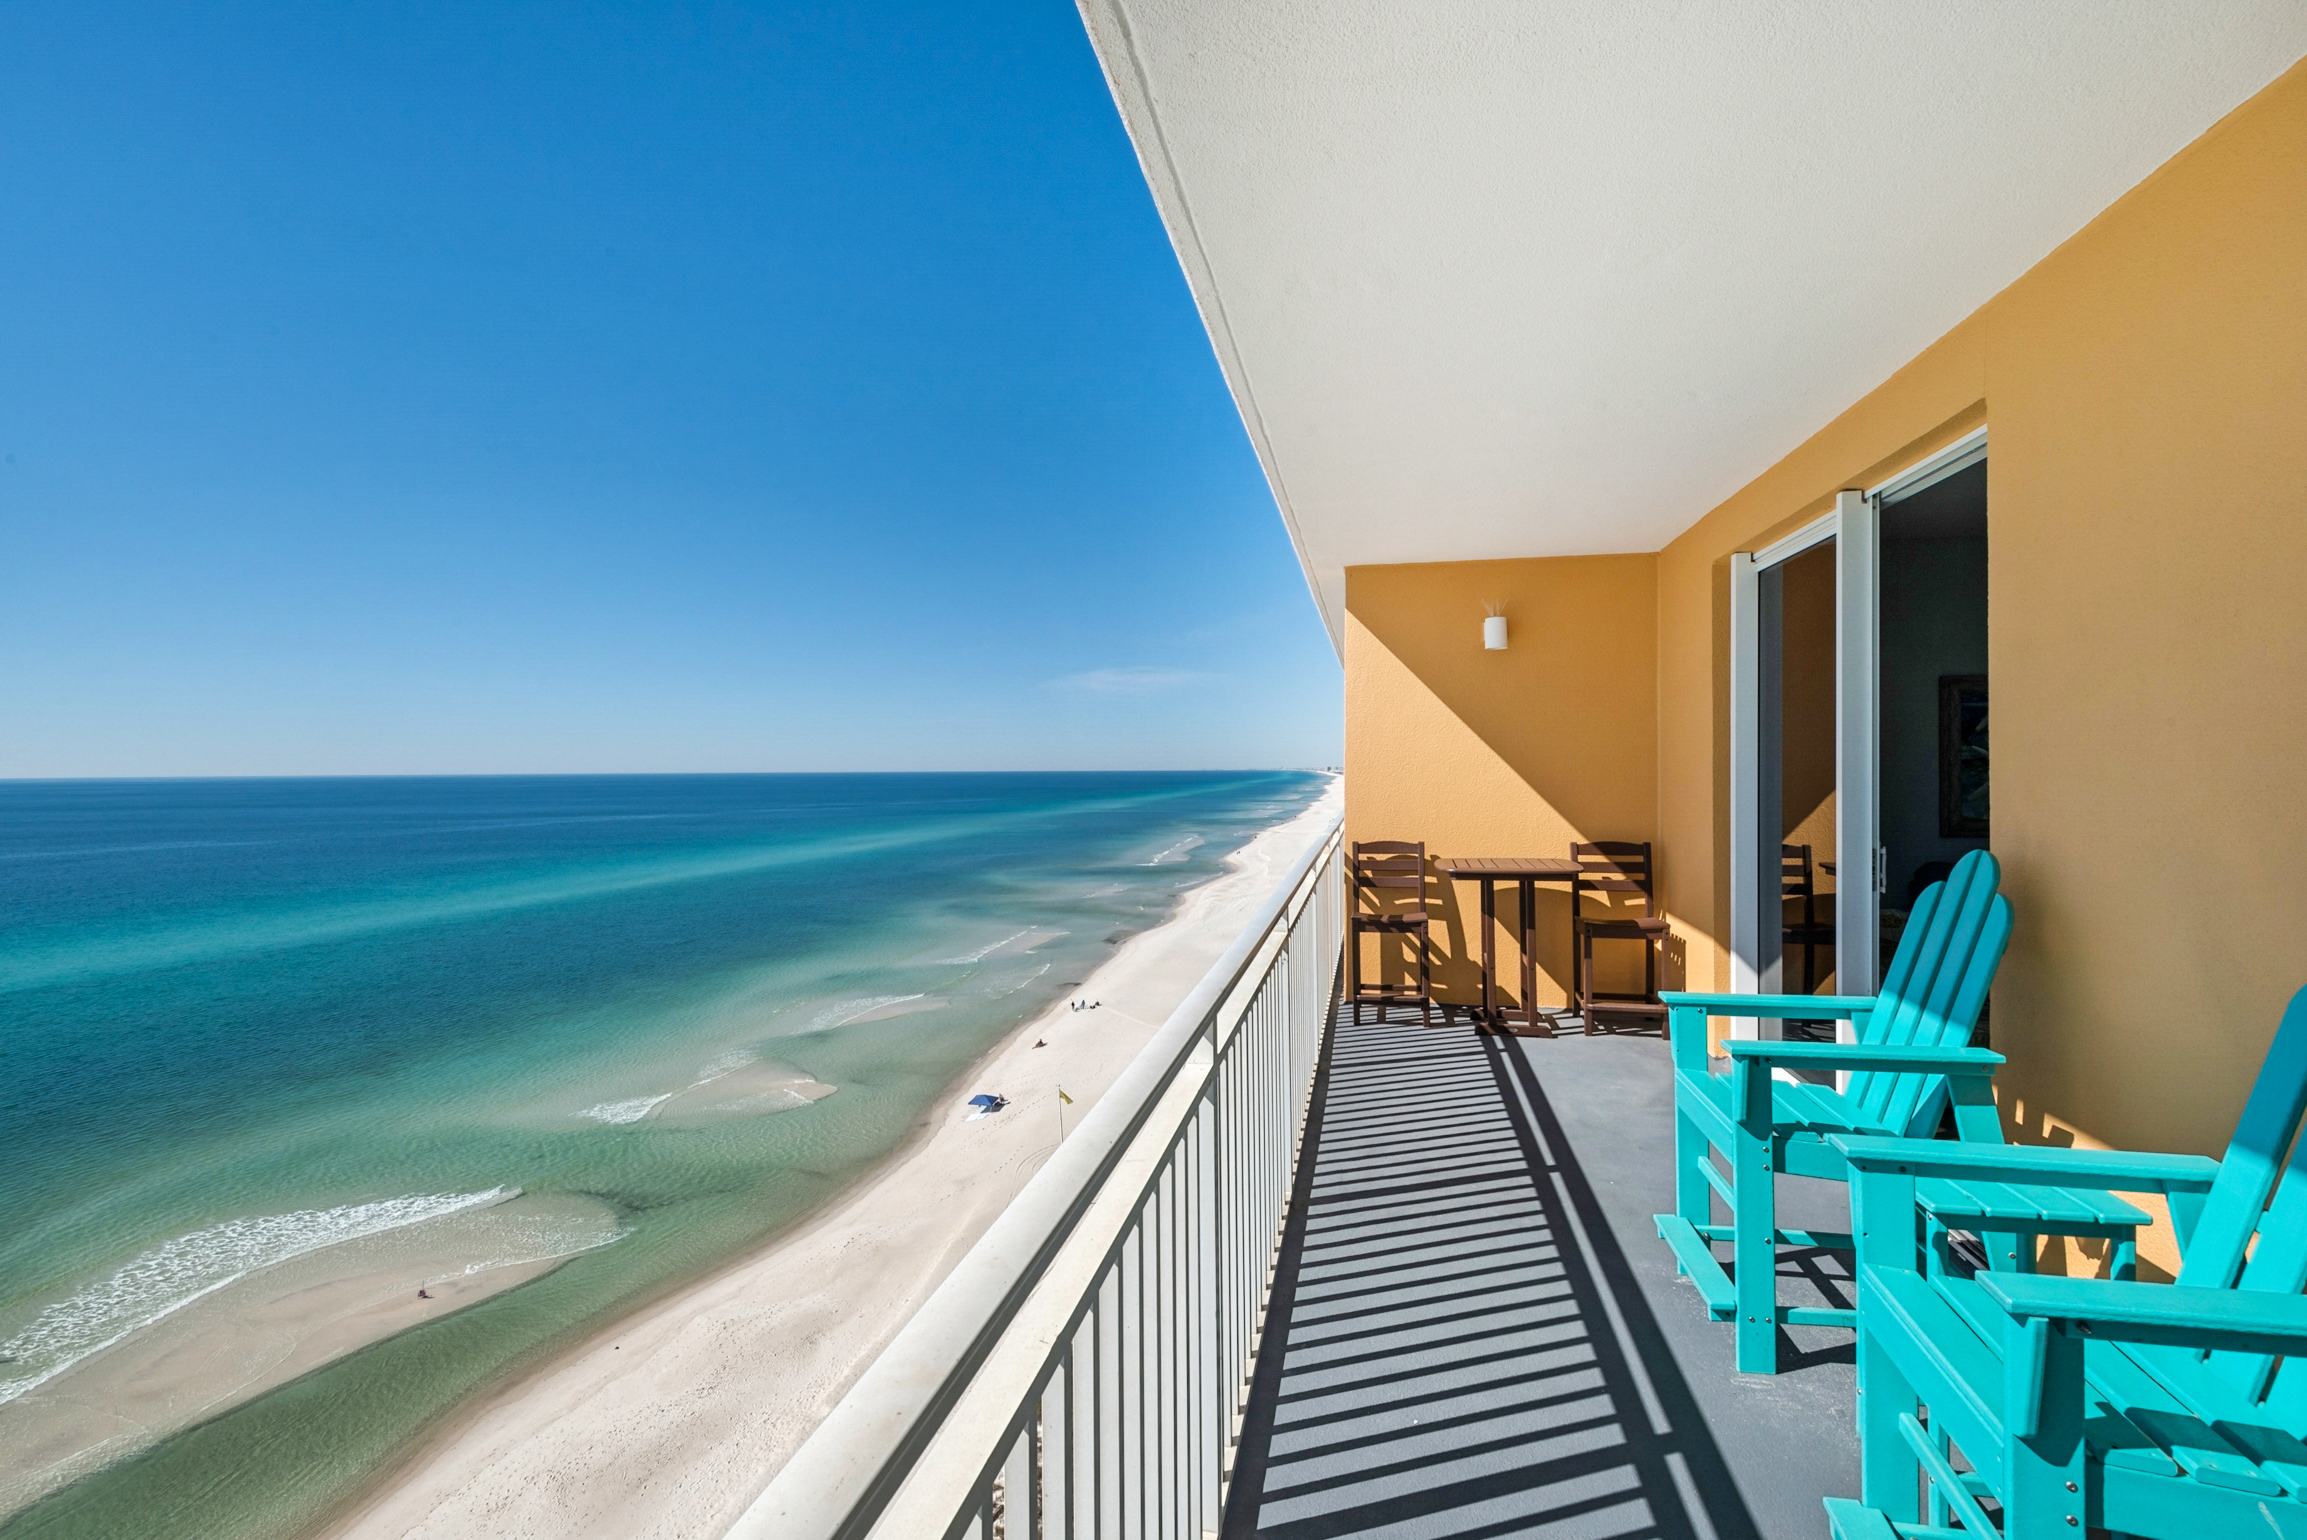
1803 878
1808 863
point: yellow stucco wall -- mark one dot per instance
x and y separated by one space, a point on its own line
1517 752
2145 391
2145 388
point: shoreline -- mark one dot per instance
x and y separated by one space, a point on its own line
672 1417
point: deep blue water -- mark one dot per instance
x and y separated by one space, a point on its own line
244 1021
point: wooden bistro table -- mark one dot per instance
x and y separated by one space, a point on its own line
1525 872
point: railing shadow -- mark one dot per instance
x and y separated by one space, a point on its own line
1456 1347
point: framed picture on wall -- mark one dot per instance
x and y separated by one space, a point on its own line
1962 756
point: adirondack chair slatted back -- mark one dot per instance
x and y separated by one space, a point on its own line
2279 1264
1934 989
1959 955
2220 1254
2249 1172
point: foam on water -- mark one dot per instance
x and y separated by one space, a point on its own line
983 952
1017 943
165 1279
524 1238
1012 989
1176 852
850 1010
631 1110
734 1059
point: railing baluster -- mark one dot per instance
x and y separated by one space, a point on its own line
1210 1431
1130 1472
1109 1393
1021 1504
1161 1513
1054 1475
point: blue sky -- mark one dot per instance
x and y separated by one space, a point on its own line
562 386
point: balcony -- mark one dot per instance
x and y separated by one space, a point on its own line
1302 1277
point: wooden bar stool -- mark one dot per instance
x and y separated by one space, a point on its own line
1382 868
1615 866
1798 879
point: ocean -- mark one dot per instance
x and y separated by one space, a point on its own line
601 1033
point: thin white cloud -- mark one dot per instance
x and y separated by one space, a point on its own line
1129 681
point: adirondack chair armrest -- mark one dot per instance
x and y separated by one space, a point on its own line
1897 1058
1751 1063
1686 1015
2243 1320
2043 1165
1800 1007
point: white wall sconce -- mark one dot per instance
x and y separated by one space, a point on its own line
1494 633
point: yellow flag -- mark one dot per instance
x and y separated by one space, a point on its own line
1061 1096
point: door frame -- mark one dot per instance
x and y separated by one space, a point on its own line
1960 455
1855 526
1746 569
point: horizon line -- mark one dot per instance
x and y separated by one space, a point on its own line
599 775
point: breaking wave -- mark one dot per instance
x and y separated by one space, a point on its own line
1176 852
1001 992
850 1010
631 1110
983 952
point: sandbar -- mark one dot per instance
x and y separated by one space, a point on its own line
274 1324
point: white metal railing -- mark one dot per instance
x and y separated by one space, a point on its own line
1082 1371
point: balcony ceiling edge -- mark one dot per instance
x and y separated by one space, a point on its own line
1110 36
1494 279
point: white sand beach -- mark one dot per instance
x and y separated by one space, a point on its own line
670 1423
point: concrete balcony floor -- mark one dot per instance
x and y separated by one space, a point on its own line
1476 1332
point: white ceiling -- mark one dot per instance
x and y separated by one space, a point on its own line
1548 277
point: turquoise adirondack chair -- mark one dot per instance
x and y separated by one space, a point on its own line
1912 1053
2168 1412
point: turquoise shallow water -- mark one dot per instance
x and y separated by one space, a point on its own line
244 1021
